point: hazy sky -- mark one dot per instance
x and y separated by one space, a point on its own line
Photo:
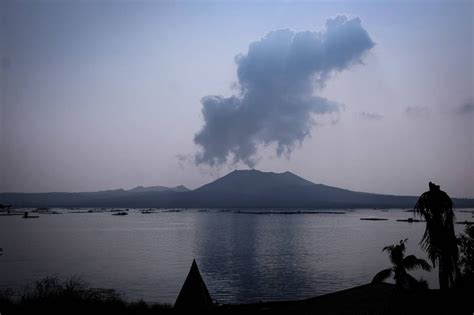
101 95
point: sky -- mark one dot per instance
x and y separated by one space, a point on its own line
372 96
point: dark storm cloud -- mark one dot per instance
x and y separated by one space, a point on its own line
277 80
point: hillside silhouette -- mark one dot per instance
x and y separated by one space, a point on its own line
238 189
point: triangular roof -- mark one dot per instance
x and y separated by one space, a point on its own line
194 294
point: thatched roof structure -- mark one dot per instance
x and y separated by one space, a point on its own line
194 294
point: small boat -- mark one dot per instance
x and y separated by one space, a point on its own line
28 216
120 213
118 210
374 219
410 220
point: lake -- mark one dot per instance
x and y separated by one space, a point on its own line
242 257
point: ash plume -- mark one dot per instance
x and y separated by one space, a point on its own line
277 81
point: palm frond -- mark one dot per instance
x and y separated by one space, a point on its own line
396 252
439 239
412 262
388 248
411 283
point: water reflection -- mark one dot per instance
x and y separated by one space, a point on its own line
270 257
242 257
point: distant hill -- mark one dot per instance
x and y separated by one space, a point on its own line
179 188
238 189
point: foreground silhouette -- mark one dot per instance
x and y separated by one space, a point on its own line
194 295
466 260
401 265
439 239
51 296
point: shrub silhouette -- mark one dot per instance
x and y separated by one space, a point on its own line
401 266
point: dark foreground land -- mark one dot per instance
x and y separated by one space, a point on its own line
50 296
376 298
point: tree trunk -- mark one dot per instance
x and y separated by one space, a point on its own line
443 275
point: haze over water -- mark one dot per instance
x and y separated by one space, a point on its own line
242 257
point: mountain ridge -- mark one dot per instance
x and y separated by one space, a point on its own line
179 188
237 189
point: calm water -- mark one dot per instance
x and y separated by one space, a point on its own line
242 257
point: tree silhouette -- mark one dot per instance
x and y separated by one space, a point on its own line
439 239
466 261
401 266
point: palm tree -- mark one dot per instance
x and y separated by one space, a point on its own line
439 239
401 265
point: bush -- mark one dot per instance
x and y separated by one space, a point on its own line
72 296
